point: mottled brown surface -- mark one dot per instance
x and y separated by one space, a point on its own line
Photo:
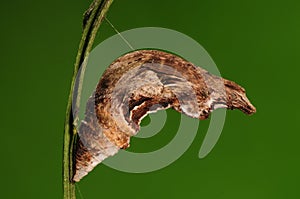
146 81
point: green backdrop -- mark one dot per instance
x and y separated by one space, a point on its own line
255 43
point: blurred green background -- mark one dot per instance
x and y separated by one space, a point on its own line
255 43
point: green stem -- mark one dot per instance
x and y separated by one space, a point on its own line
92 21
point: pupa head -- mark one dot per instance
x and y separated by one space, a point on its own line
237 99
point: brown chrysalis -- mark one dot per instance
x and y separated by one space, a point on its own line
141 82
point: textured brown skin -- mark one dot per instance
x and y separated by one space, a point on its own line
211 92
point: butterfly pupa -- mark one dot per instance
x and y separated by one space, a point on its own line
142 82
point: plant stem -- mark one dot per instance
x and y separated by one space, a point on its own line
92 20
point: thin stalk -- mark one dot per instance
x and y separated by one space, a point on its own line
92 21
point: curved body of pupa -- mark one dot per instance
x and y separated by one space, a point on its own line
141 82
